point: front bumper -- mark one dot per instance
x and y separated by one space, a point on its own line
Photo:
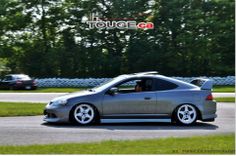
56 113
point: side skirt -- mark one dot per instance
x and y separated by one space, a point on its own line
120 118
133 120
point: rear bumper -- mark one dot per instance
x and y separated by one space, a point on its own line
209 118
209 111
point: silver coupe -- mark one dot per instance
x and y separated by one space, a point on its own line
137 97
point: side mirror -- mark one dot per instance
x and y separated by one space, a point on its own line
113 91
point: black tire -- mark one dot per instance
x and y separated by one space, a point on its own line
191 115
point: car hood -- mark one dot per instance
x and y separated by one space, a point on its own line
73 95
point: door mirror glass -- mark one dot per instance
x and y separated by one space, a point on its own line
113 91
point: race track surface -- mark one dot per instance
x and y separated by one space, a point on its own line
32 130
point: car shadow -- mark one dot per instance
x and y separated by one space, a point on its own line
136 126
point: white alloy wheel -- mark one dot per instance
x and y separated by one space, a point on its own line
186 114
84 114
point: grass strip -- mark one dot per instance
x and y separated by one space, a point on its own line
225 99
20 109
218 144
223 88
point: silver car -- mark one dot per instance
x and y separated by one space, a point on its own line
137 97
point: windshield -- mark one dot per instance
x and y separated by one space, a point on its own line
107 84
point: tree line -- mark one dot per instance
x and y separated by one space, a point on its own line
48 38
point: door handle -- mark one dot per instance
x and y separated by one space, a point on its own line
147 98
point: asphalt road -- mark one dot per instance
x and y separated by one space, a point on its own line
46 97
32 130
28 97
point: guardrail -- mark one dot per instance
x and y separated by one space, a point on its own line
91 82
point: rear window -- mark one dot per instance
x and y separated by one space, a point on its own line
165 85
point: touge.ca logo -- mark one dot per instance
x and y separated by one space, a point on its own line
119 24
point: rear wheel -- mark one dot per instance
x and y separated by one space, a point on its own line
186 114
84 114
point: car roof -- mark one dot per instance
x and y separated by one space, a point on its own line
154 74
16 75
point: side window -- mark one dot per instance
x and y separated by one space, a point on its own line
164 85
136 85
127 85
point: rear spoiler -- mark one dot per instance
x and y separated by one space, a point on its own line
204 84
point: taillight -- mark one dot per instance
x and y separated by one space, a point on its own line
34 82
209 97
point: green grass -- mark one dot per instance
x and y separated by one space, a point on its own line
218 144
225 99
58 90
20 109
223 88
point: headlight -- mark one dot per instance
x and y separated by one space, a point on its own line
59 102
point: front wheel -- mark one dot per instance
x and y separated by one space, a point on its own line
186 114
84 114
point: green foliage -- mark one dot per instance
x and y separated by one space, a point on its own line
47 38
218 144
3 67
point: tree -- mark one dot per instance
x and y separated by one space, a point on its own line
49 38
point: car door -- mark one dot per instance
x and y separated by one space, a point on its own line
166 96
124 103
